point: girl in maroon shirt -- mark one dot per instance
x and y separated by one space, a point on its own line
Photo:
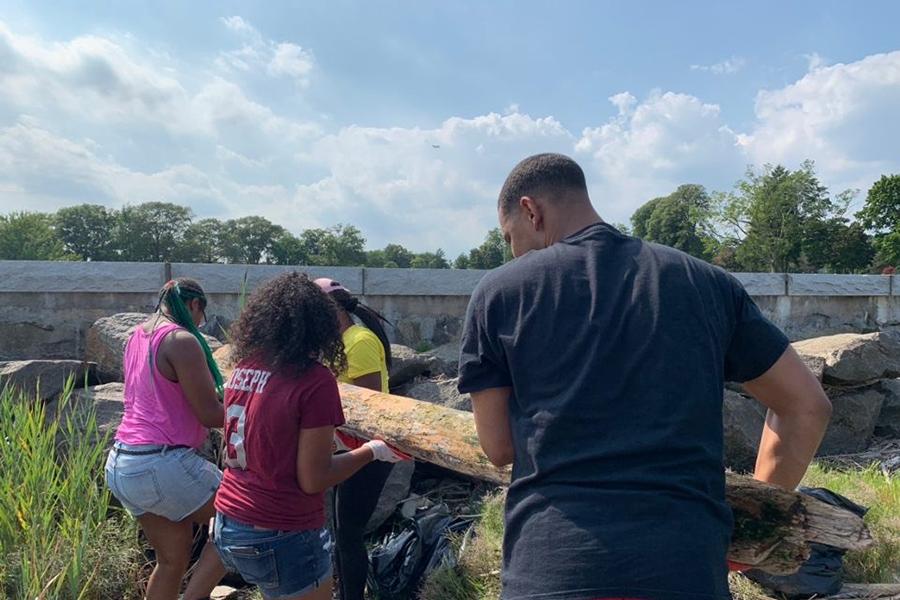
281 408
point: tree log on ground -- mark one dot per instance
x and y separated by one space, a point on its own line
773 527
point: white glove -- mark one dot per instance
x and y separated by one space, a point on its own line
381 451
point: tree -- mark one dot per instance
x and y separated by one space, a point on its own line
461 262
881 214
30 236
87 230
492 253
249 240
152 231
430 260
680 220
201 242
771 214
287 249
341 245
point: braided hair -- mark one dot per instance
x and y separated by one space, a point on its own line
370 317
174 296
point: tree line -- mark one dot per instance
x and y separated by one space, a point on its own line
774 220
162 231
778 220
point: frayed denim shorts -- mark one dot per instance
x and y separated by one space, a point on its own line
170 482
282 564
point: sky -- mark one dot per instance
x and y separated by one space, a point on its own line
404 118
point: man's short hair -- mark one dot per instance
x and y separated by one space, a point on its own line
548 173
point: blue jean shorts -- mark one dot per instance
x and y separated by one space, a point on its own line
172 482
282 564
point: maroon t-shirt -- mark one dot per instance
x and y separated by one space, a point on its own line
264 413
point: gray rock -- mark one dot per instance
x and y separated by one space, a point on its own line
106 341
216 326
407 364
742 420
889 420
108 401
446 359
855 358
853 419
440 391
45 379
396 490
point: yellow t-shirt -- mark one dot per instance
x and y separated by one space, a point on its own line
365 355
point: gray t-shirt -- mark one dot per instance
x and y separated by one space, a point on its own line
616 351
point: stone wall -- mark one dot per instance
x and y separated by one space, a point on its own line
47 307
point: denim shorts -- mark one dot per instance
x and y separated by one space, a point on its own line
282 564
172 483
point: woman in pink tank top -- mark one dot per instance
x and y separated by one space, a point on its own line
172 395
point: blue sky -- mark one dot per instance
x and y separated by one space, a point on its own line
317 113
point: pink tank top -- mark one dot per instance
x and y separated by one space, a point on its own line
156 409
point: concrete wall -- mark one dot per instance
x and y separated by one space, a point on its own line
47 307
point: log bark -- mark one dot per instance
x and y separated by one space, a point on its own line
773 527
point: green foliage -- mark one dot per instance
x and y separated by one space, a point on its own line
882 209
249 240
680 220
430 260
783 221
55 537
87 230
30 236
152 231
202 242
492 253
461 262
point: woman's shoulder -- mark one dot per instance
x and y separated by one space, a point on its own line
357 334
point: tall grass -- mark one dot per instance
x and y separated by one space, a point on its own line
56 541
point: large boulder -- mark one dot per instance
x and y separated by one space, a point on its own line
407 364
446 359
45 379
853 419
888 424
742 419
106 341
852 358
440 391
108 401
222 357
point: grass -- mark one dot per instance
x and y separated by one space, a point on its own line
478 575
57 540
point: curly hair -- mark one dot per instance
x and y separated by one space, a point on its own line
290 324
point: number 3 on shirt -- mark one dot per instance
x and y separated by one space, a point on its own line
235 453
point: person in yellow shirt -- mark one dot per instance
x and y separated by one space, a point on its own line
368 365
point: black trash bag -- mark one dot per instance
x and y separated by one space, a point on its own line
823 572
401 561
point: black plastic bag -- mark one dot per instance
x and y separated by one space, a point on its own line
823 572
403 559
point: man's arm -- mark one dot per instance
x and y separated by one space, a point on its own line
491 409
798 414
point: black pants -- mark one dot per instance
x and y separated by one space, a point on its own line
354 503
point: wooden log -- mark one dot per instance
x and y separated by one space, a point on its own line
773 527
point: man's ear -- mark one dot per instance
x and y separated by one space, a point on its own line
532 211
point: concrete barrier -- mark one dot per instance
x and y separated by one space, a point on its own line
47 307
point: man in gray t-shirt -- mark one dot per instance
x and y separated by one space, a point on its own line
596 363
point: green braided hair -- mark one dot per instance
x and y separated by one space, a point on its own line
173 296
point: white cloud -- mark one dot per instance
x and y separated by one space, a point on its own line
278 59
728 66
651 147
71 110
843 116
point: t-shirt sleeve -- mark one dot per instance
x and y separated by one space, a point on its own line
481 366
756 343
364 357
322 405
